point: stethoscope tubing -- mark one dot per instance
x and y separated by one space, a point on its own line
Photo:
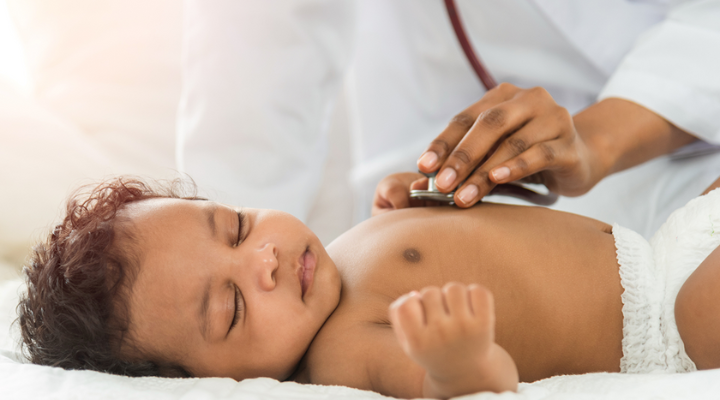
482 73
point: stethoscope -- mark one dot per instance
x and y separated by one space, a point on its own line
510 189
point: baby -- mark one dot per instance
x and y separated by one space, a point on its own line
141 281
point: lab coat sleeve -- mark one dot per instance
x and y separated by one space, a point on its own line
259 81
674 70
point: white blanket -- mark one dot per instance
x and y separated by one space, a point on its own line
26 381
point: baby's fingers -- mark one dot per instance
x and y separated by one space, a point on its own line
483 306
392 194
407 318
436 311
457 300
419 184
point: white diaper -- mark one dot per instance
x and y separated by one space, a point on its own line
652 274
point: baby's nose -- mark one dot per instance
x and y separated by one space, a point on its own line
267 266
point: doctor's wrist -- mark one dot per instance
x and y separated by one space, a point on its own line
601 150
621 134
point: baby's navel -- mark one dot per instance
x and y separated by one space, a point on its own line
412 255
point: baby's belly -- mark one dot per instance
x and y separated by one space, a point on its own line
554 277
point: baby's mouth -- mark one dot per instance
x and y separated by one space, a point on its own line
306 272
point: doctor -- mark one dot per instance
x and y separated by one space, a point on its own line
595 88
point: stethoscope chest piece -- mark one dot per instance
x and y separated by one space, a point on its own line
433 193
505 189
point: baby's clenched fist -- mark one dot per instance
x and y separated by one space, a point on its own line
447 331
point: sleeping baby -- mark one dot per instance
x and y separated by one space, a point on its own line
140 279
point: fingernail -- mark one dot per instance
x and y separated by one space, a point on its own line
468 193
501 173
446 177
428 160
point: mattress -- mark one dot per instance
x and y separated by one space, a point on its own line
21 380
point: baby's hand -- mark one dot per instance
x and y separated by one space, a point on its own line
443 330
450 332
393 192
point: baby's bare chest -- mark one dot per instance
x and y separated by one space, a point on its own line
542 272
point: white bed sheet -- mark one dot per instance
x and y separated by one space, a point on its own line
26 381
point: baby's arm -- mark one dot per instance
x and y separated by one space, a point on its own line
450 333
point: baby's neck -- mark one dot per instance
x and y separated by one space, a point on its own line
300 375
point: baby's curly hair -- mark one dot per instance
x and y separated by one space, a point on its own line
72 315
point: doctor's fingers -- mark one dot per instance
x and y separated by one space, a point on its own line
481 140
459 125
525 154
497 123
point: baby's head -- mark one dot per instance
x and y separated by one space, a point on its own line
140 280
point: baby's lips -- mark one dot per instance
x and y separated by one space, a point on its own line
300 269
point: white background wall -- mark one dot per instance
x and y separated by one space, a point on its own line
13 71
103 101
12 60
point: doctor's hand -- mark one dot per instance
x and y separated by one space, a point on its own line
511 134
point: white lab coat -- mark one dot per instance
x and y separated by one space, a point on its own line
261 79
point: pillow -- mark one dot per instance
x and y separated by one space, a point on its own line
9 291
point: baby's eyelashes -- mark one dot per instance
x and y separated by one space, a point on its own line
239 307
241 225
